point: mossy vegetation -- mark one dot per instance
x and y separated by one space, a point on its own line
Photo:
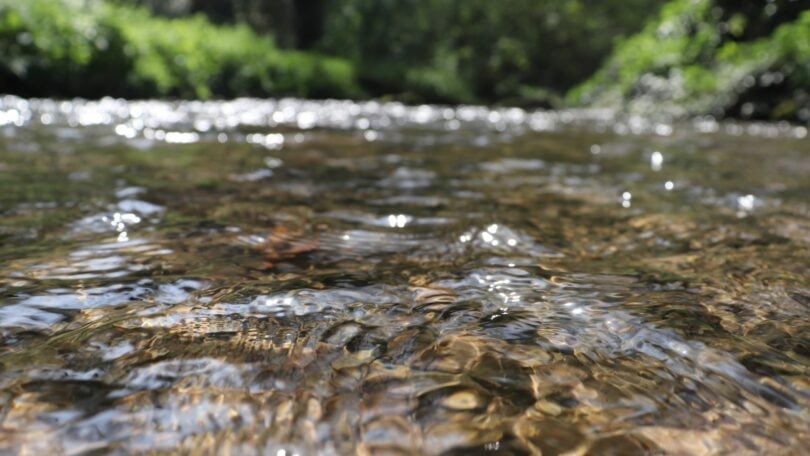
712 57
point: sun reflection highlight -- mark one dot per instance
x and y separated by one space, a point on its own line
627 197
119 221
656 161
398 220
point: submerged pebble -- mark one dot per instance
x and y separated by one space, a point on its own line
463 400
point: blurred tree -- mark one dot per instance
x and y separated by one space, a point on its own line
484 49
454 50
310 16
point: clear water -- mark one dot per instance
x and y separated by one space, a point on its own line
295 277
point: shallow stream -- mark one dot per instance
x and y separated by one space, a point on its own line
294 277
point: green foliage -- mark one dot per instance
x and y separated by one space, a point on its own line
723 57
716 57
74 47
42 45
478 50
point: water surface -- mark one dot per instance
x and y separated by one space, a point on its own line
295 277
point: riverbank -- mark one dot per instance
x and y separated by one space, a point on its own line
692 58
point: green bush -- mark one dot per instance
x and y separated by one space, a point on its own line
711 57
48 49
91 48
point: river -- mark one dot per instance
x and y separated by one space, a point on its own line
330 277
